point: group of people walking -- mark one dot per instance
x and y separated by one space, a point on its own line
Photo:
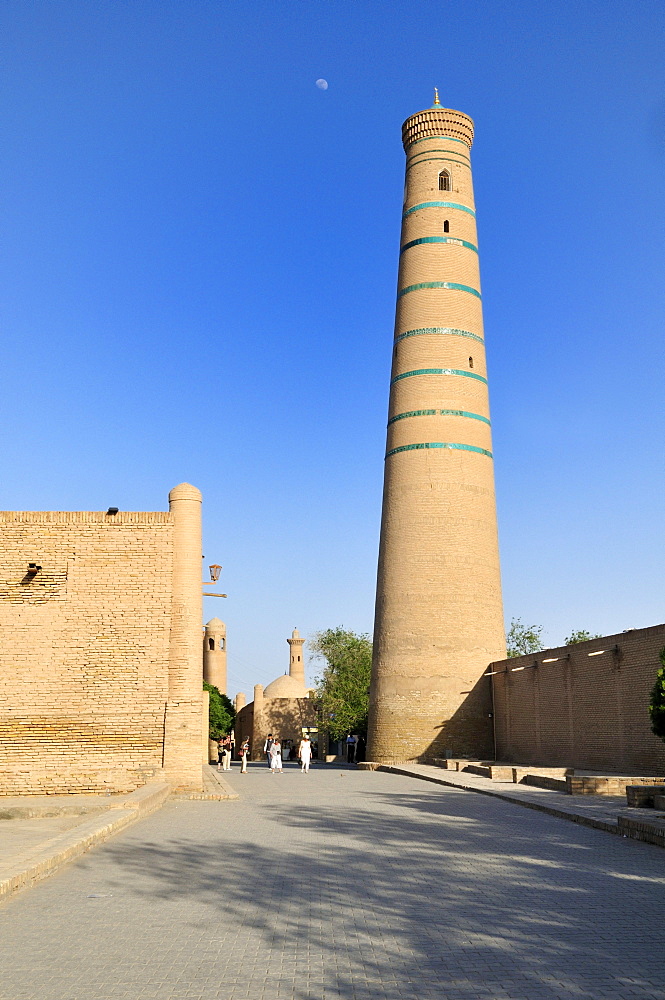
272 748
224 750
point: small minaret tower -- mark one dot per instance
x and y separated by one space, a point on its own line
296 660
439 619
214 654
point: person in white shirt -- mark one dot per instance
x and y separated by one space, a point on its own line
276 756
305 753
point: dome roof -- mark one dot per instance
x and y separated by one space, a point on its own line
185 491
215 623
285 687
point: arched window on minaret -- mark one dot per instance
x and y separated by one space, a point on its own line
444 181
446 226
211 643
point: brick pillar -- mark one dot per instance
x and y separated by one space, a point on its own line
182 729
205 725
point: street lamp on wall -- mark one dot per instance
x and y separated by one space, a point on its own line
215 570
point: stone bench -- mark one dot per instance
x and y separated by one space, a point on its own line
545 781
525 774
643 795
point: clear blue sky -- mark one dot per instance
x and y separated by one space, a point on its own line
199 258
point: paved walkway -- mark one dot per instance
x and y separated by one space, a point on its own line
600 811
343 884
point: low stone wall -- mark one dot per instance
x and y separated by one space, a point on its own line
607 784
649 830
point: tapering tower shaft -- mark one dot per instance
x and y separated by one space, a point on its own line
439 618
214 654
296 656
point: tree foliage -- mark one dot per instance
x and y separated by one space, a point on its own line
657 701
222 714
343 688
580 635
523 639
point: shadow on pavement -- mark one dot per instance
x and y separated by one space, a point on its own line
448 894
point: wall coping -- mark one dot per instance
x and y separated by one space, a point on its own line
85 517
589 646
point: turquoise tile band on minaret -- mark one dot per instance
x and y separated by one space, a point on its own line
438 204
437 371
424 152
432 413
439 444
453 286
438 330
440 159
439 239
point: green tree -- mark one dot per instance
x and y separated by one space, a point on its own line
523 639
580 635
343 687
657 701
222 714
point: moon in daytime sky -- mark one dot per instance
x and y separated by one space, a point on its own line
322 84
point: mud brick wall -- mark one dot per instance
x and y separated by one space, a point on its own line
84 649
587 708
283 717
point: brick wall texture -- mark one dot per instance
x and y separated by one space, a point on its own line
283 717
584 711
85 647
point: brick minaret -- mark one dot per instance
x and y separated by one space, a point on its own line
214 654
296 656
439 618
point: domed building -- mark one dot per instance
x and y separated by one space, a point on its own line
284 708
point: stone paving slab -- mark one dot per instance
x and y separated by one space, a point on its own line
600 813
33 849
348 885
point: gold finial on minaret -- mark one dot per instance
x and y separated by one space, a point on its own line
437 102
